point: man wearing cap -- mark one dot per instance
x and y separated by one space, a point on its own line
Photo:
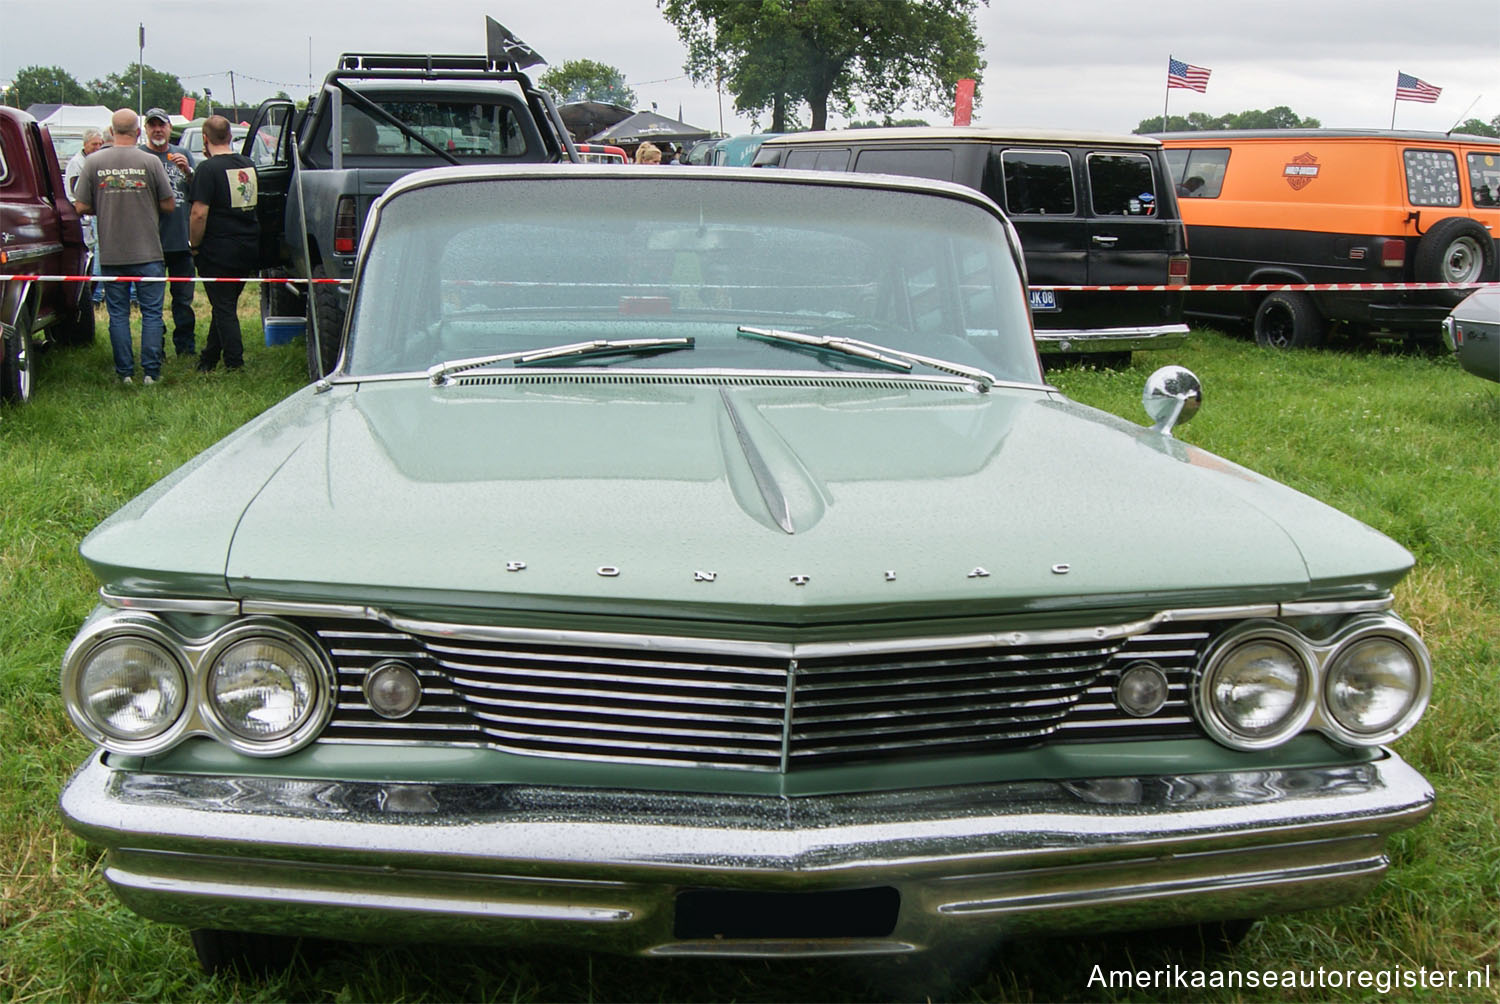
179 165
126 190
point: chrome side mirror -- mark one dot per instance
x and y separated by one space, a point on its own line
1171 397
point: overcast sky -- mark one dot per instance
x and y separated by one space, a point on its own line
1077 64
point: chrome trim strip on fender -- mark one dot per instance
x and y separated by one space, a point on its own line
779 650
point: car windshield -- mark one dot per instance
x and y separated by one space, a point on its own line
476 268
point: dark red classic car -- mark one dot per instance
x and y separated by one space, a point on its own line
40 234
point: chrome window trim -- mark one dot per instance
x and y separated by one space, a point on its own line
732 646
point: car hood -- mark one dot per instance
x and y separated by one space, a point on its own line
772 501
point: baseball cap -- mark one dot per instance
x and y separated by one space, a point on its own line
157 113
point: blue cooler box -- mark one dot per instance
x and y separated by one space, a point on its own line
280 330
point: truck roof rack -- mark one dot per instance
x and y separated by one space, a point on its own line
430 62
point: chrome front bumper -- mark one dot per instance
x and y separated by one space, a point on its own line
603 869
1160 336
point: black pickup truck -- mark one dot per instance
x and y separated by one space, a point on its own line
378 117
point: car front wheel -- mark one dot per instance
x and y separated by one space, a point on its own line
1289 320
244 953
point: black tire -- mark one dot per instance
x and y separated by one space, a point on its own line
1456 249
1199 940
244 953
78 329
330 327
17 361
1289 321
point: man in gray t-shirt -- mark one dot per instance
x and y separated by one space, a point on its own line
180 165
126 190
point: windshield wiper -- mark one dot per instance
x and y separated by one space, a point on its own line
885 355
598 347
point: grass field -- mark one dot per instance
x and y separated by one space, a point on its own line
1406 442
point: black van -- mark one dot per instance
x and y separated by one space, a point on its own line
1091 209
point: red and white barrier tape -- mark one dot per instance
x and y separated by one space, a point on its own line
1236 287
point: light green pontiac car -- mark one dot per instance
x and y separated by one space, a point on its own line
696 563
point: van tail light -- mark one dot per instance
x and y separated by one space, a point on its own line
345 227
1177 270
1393 253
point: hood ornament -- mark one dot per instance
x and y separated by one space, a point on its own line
979 573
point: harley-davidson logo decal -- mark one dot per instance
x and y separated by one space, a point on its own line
1301 171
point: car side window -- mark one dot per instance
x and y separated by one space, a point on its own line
265 151
818 160
1484 178
1033 182
1431 177
1122 184
1198 174
934 164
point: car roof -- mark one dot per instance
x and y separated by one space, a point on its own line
1305 134
672 173
948 134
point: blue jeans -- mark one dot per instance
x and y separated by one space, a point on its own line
117 300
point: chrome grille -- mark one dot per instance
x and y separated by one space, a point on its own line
752 711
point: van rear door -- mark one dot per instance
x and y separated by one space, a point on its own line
1039 192
1133 231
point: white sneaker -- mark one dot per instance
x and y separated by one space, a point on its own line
148 380
126 381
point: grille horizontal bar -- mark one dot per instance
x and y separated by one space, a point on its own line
730 710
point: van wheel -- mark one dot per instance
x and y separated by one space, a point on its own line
1289 321
1457 249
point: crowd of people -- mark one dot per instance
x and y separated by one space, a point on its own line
157 213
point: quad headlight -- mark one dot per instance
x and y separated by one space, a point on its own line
134 685
262 689
1263 683
1257 691
129 692
1376 685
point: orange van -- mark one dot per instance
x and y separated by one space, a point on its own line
1335 206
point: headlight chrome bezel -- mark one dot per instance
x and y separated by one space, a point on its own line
1318 657
1212 718
196 656
77 659
318 713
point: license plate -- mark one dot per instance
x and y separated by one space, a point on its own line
1043 299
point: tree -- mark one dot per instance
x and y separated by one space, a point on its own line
872 124
1478 127
778 54
1280 117
48 85
587 80
161 90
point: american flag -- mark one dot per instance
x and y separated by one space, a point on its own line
1180 74
1409 88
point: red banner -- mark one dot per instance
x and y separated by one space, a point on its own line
963 102
188 104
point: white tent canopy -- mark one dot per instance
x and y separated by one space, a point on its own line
79 116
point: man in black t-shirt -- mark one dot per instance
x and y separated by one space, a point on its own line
224 236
